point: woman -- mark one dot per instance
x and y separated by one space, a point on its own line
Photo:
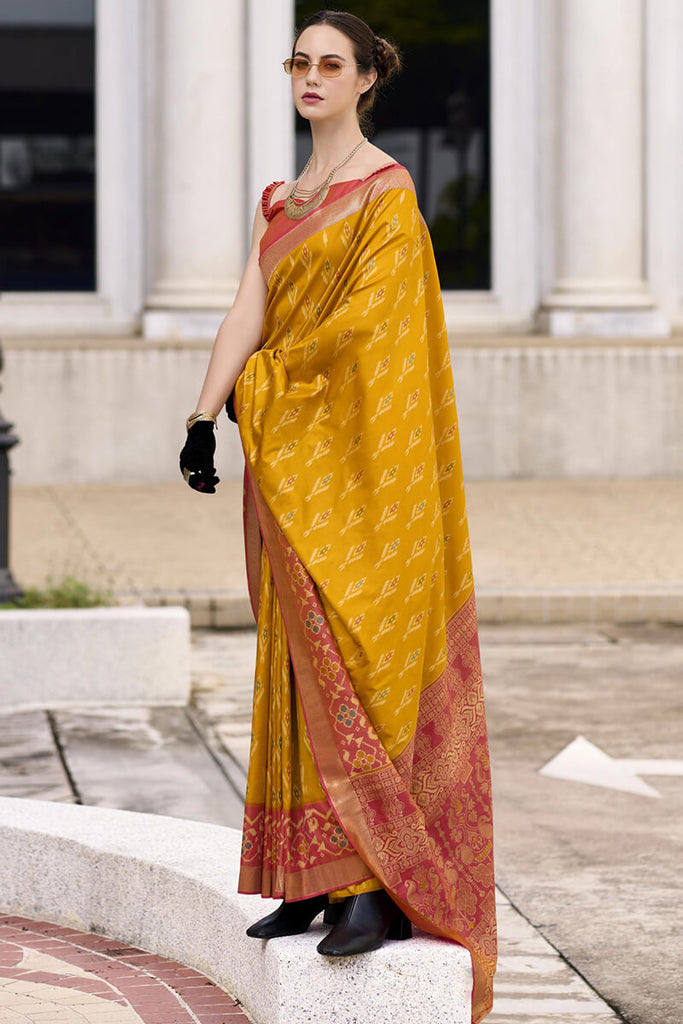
368 792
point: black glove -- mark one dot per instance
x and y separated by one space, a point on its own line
196 458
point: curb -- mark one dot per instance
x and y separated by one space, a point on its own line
91 656
623 604
168 885
209 609
661 603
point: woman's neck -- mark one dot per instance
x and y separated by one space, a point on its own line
331 143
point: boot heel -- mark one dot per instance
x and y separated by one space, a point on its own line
401 928
333 911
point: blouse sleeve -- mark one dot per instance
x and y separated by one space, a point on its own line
265 198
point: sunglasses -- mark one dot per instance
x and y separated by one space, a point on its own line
297 67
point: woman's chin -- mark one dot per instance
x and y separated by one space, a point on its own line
313 111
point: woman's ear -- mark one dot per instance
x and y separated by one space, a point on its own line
368 80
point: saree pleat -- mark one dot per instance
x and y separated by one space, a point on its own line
289 822
369 761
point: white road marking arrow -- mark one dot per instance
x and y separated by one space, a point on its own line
582 761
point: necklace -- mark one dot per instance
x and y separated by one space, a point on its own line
299 202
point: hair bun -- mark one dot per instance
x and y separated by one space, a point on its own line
386 58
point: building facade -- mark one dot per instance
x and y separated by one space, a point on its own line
569 364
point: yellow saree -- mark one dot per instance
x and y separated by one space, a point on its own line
369 761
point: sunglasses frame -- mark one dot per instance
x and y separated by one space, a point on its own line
313 64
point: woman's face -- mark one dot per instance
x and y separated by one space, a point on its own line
318 98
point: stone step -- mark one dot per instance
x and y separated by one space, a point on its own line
168 886
91 656
624 604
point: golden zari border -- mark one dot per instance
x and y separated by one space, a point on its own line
331 213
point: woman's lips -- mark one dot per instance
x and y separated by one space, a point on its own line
311 97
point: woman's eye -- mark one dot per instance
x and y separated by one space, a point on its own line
331 67
300 65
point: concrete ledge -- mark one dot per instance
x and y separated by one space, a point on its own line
230 609
594 604
528 406
91 656
168 886
208 609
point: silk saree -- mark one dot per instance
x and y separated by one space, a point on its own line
369 761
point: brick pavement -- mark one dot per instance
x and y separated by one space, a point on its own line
55 975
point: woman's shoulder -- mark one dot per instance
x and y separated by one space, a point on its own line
268 197
377 166
281 190
371 161
382 170
392 175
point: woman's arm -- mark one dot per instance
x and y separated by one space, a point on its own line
240 333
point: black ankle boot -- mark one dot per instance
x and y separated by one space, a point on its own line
289 918
367 920
333 911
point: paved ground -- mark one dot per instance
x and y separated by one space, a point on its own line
596 870
54 975
590 872
543 550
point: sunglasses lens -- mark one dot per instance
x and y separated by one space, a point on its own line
298 67
330 68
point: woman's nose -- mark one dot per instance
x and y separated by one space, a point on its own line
313 76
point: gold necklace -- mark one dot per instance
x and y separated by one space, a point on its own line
311 198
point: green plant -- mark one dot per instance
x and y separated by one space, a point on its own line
69 593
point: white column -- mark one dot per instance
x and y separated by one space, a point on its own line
270 122
664 167
597 283
196 164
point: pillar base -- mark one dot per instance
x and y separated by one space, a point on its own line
603 323
181 324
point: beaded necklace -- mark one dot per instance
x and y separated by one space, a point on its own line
299 202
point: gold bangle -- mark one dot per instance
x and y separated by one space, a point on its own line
200 417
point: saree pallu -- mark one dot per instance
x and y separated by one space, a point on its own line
369 755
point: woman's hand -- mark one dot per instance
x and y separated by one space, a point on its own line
196 458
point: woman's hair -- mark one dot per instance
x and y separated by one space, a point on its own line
370 51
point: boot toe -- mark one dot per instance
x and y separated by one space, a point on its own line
366 921
289 919
348 945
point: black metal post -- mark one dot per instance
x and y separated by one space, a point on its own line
9 590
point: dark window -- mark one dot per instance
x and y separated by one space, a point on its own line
434 119
47 145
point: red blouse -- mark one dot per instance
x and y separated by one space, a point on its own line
278 221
